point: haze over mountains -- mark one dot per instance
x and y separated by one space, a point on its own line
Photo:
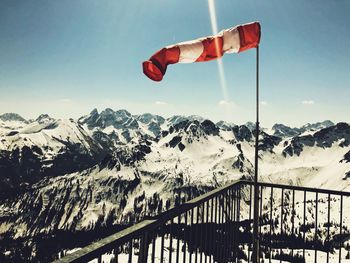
112 168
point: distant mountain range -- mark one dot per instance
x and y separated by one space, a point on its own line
111 168
285 131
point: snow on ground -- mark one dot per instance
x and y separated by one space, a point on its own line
198 161
310 255
316 166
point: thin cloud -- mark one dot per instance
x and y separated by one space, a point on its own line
161 103
308 102
264 103
65 100
225 103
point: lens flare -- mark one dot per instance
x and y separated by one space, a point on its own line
214 28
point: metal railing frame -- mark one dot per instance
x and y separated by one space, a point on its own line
149 226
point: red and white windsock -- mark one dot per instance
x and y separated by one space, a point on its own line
232 40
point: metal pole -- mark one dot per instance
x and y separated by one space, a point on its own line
255 253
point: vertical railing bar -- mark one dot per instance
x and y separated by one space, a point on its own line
206 232
236 223
197 235
341 224
260 212
316 228
250 198
304 222
220 252
250 218
282 208
271 211
293 214
199 241
201 233
130 252
239 204
143 247
192 237
184 243
234 203
178 238
153 255
212 238
238 215
328 224
162 246
235 208
227 225
230 223
216 229
99 259
220 230
260 217
171 240
224 219
116 253
225 244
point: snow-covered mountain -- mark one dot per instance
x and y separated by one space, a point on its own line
10 121
282 130
9 117
44 147
112 168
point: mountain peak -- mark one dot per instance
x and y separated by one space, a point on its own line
94 112
118 113
282 130
108 117
44 118
196 118
250 125
225 125
123 113
107 111
317 125
147 118
12 117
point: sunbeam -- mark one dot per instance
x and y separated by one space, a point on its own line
214 28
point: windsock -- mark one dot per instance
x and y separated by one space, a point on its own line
232 40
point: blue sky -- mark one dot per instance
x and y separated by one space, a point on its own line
65 58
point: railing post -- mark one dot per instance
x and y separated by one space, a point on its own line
341 224
234 203
144 245
271 223
130 251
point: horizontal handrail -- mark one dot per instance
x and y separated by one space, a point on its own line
298 188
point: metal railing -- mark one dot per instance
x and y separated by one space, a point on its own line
296 224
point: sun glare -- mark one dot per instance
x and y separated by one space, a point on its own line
214 28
